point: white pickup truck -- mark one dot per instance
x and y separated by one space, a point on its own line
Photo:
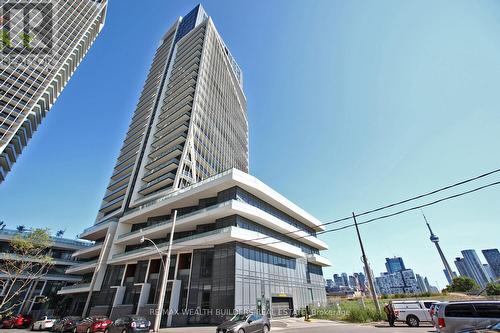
413 312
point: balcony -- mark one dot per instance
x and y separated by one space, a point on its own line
75 288
184 222
161 169
88 252
171 153
157 183
55 261
318 260
112 205
82 268
168 145
214 237
96 231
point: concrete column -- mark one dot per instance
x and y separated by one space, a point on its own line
174 301
120 293
143 297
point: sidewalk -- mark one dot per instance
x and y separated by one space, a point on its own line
276 325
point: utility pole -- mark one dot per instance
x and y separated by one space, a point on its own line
367 267
94 276
166 269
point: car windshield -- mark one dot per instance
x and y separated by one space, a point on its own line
137 318
239 317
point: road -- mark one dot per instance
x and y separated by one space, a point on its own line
299 327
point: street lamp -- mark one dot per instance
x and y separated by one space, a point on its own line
166 268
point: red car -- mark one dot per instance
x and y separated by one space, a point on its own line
19 321
92 324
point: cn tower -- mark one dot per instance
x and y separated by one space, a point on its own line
435 240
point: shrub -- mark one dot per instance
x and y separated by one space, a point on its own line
493 289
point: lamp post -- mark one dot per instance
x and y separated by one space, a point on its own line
166 268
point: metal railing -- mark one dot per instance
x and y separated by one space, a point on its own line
179 219
180 240
179 191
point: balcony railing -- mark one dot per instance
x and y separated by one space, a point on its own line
76 286
177 241
180 218
180 191
59 240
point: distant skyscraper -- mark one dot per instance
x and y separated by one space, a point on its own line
338 280
361 281
394 265
421 283
448 277
345 279
489 272
353 282
462 267
475 267
435 239
35 69
493 259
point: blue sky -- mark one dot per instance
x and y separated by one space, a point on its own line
352 105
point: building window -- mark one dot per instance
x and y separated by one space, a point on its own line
206 264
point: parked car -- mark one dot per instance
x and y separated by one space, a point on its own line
491 329
240 323
92 324
413 312
66 324
453 317
433 313
43 323
18 321
129 324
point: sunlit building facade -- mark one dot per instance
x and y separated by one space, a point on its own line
42 43
238 244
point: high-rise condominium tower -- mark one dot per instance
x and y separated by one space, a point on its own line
183 170
190 122
42 42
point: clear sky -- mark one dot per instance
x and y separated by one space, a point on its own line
352 105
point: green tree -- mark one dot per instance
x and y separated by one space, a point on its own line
27 39
28 260
493 289
5 40
462 284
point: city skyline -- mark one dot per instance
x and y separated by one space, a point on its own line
72 141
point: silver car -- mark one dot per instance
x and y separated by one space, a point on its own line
249 323
454 317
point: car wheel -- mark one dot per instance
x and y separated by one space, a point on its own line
412 321
124 331
12 326
88 330
106 331
241 330
74 330
32 328
266 329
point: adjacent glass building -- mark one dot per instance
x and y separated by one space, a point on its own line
238 244
493 258
41 45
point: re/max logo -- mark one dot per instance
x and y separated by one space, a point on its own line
26 28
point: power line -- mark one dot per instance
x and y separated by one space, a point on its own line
420 196
367 221
383 208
